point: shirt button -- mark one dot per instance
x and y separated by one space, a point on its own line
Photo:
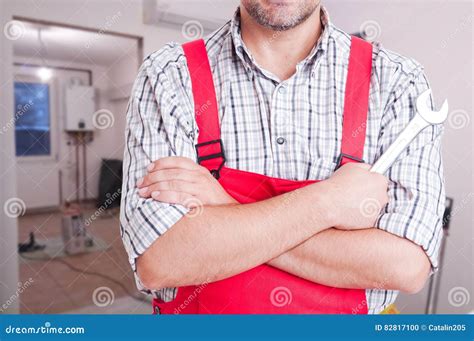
281 140
281 89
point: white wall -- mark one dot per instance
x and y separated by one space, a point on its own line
120 78
8 225
439 35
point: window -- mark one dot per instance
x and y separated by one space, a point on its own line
32 119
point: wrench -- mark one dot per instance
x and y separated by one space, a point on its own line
424 117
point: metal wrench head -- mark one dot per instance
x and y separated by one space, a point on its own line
424 110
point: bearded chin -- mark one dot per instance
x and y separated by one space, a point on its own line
280 19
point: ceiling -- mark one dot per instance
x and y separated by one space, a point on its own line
72 45
66 44
214 12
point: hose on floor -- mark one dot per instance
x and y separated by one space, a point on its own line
93 273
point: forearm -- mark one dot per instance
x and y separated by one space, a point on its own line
369 258
227 240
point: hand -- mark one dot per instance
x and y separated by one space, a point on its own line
356 196
179 180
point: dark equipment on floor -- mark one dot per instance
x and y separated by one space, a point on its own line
110 184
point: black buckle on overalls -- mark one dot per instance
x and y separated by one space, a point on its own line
215 172
347 156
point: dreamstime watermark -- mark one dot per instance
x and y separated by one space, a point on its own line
107 203
459 296
190 298
203 108
103 119
289 199
274 37
20 289
459 207
370 206
464 24
14 30
47 328
109 22
281 296
21 110
103 296
362 306
360 129
370 30
14 207
459 119
195 206
192 29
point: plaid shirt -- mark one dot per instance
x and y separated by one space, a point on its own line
290 129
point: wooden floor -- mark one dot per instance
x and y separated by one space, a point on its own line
51 287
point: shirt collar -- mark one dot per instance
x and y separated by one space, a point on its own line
245 55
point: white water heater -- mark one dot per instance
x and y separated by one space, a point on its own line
80 108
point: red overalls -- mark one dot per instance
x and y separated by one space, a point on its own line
265 289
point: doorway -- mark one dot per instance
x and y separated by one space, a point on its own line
71 91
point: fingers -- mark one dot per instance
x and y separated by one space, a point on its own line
357 165
187 175
172 168
174 197
171 185
174 180
174 162
362 165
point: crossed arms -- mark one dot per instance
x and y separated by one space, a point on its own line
316 232
293 232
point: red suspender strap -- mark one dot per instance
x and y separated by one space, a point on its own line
356 102
209 148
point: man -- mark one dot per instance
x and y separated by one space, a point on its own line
280 76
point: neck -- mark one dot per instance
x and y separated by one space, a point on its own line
280 51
